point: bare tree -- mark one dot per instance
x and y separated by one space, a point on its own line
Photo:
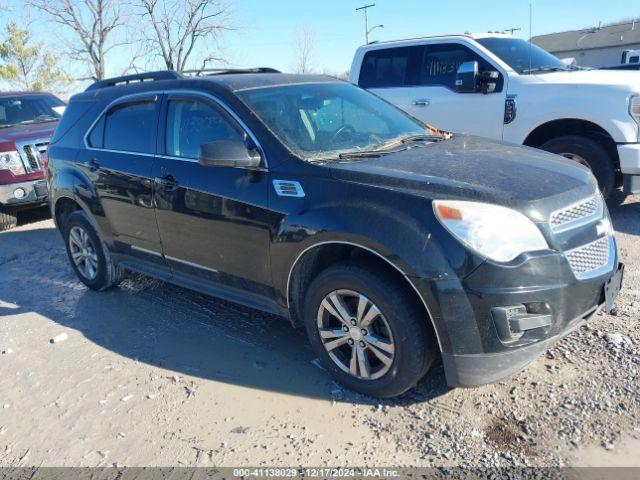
94 22
304 50
184 29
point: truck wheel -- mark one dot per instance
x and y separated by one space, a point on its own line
8 219
367 331
590 154
88 254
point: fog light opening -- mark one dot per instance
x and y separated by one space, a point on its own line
19 193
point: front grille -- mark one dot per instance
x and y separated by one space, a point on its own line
30 153
587 260
577 214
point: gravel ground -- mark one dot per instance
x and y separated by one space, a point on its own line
152 374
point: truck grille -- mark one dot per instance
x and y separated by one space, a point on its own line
587 260
580 213
30 153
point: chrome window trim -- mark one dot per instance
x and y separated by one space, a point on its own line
341 242
580 222
196 93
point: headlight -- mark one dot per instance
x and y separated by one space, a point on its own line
494 232
11 161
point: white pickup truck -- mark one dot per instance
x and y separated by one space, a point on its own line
503 87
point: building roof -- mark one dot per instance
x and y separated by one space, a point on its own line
614 35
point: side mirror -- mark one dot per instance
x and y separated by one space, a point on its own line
468 78
489 81
228 153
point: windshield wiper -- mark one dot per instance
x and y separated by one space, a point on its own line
359 154
422 137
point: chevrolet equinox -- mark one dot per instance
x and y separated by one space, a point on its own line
392 243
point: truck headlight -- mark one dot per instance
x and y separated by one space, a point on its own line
11 161
494 232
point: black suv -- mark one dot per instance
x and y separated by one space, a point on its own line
306 197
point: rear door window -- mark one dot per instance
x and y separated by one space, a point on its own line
390 67
129 127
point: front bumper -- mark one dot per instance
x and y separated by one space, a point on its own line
471 331
24 193
484 368
629 154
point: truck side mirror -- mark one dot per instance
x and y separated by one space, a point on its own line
228 153
489 81
468 78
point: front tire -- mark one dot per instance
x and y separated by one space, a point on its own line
88 254
8 219
368 331
588 153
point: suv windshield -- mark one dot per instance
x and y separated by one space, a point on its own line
26 109
522 56
324 120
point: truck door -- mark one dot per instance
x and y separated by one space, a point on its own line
435 100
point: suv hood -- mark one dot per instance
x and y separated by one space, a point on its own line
471 168
20 133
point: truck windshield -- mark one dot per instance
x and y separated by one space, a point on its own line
26 109
325 120
522 56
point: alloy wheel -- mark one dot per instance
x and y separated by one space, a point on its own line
355 334
83 252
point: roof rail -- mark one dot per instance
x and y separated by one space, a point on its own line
226 71
138 77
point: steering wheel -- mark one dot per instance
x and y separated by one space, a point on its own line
342 130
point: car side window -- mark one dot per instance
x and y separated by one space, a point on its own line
128 127
390 67
441 62
96 137
192 122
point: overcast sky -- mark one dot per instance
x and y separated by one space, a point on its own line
265 30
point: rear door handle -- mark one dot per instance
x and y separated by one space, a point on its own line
423 102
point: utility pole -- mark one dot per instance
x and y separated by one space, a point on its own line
511 30
366 20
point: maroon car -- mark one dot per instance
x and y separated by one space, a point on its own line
27 122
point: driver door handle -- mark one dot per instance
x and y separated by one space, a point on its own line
422 102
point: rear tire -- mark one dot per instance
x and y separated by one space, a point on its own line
589 153
399 331
88 254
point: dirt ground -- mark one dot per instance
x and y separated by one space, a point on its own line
152 374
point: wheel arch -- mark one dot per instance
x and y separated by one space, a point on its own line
573 126
63 207
322 254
